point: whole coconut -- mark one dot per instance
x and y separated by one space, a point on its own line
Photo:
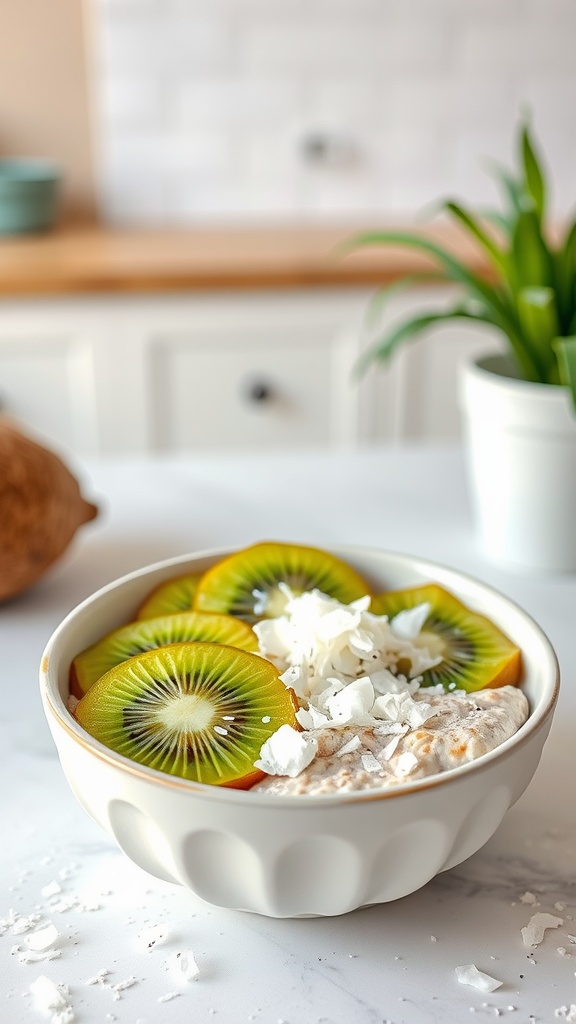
40 509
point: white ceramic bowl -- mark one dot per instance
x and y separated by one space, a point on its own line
301 855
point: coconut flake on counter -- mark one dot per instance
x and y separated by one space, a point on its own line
52 999
470 975
183 966
17 923
100 978
533 933
567 1013
43 938
530 899
121 986
52 889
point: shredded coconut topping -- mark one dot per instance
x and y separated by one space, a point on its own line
322 646
342 662
287 752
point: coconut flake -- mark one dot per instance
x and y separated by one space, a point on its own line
470 975
100 978
48 996
533 933
121 986
370 763
405 763
390 747
349 747
33 957
529 898
168 997
43 938
402 708
353 703
287 752
311 718
567 1013
52 889
19 923
407 624
184 966
63 1016
317 637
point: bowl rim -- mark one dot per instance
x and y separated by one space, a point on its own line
56 707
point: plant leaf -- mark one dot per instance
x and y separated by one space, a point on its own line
539 324
498 257
565 278
512 191
533 175
565 349
531 257
496 308
453 269
410 329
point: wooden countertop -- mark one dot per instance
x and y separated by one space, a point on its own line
91 259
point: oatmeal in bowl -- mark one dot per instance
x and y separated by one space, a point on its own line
255 724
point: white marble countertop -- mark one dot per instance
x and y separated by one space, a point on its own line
393 963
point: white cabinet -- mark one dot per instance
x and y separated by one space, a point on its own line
222 372
47 381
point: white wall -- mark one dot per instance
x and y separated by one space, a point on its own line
204 107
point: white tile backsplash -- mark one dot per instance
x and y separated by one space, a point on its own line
313 110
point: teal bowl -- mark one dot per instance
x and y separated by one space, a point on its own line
29 192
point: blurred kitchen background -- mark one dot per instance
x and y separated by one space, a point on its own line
213 154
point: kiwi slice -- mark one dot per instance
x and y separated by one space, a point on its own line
146 635
246 584
200 711
172 596
475 653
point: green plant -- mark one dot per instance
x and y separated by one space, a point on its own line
529 292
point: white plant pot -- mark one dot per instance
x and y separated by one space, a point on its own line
521 447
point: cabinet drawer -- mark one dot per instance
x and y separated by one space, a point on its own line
258 392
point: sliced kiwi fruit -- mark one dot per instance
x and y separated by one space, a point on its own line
475 653
174 595
246 584
148 634
200 711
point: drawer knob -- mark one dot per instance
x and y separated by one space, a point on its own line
258 391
